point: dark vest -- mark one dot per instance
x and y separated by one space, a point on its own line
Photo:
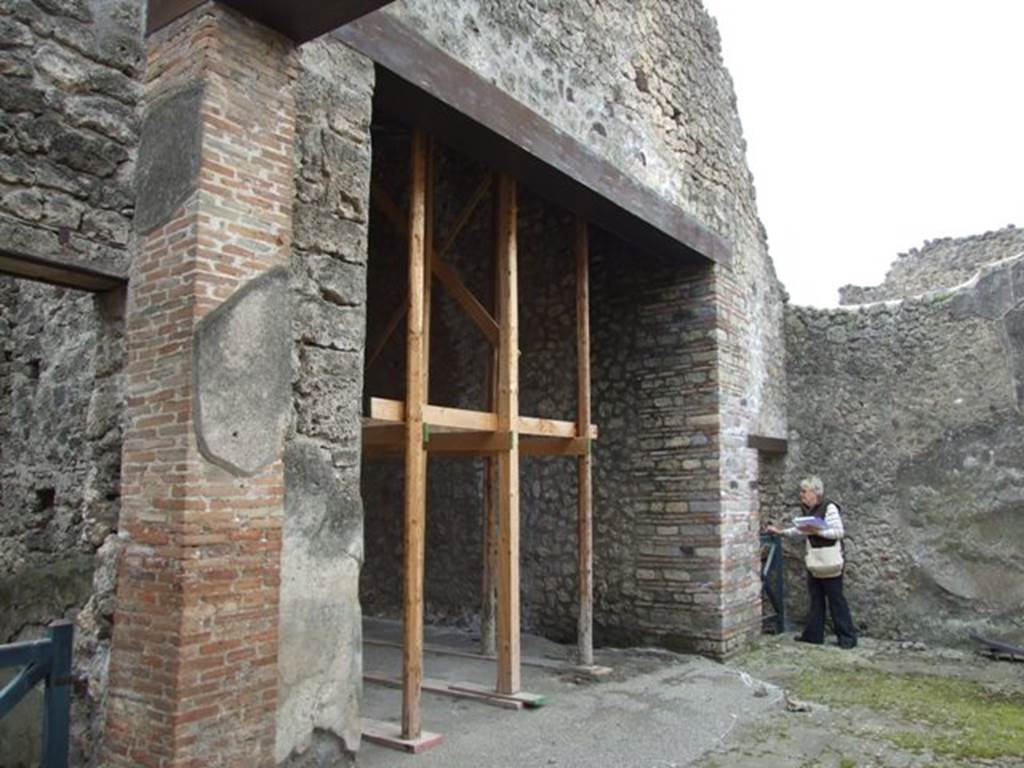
819 512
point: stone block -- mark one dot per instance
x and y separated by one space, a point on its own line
242 354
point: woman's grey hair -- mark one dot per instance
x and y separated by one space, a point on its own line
813 483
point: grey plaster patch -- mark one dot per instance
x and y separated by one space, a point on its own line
1014 326
242 368
169 156
1017 272
974 559
319 682
990 297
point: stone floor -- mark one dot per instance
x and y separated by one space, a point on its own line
781 704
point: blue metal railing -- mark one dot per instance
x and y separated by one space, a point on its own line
46 660
773 584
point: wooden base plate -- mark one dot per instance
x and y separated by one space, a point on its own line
390 735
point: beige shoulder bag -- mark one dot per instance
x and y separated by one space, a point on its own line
824 562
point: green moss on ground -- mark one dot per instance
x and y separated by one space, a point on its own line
961 719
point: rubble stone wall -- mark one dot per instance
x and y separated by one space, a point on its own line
70 90
911 411
942 263
69 122
319 661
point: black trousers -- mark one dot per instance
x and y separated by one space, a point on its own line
831 590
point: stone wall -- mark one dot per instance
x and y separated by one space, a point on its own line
942 263
320 668
70 80
61 394
911 412
69 123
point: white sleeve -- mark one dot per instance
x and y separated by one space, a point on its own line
833 523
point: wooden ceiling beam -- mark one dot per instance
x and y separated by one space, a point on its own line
58 272
298 20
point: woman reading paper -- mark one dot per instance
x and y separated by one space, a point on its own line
823 527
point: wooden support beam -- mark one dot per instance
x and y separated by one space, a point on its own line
465 299
584 522
527 661
488 579
385 439
534 425
531 445
415 455
438 267
299 20
393 411
443 688
446 275
389 329
465 215
775 445
428 254
57 272
387 205
530 700
508 461
489 576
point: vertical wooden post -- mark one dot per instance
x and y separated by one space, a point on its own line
585 632
490 540
488 581
428 255
508 461
415 455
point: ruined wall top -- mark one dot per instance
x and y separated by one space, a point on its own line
939 264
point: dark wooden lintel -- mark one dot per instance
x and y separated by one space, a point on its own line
298 20
60 273
767 444
419 82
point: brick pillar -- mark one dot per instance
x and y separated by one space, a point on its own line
193 679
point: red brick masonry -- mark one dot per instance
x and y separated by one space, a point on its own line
193 678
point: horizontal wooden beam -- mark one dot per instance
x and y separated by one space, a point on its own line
531 445
299 20
764 444
531 700
467 111
385 439
442 688
393 411
58 272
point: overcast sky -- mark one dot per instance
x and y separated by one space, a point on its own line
875 125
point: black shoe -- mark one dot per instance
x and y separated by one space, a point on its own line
802 639
848 644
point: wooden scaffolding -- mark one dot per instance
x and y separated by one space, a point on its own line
501 435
